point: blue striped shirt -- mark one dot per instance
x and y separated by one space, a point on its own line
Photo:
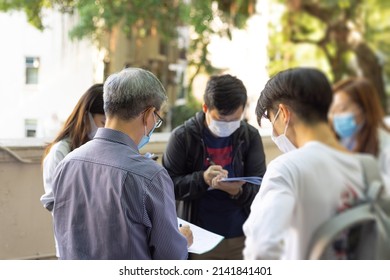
110 202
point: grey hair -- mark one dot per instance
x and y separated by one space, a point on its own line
131 91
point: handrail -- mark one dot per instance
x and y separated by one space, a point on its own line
39 257
15 155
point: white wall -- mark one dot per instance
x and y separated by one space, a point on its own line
67 69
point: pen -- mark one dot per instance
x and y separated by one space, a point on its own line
210 161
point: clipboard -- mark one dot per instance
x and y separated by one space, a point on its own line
253 179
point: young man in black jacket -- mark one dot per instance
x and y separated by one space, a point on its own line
214 144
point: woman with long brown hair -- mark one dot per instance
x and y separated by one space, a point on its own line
358 120
79 128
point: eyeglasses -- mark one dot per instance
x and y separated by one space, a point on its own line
159 121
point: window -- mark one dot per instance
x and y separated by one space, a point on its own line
32 67
30 127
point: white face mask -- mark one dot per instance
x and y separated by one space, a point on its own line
223 129
93 126
283 143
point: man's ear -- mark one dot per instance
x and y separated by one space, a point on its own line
204 107
147 114
285 112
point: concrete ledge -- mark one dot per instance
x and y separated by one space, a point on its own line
26 227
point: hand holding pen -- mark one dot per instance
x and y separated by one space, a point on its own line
187 232
213 171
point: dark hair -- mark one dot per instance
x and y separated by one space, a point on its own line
306 91
77 125
225 93
363 93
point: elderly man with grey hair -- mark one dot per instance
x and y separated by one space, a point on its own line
110 202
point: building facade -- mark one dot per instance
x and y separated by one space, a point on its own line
43 75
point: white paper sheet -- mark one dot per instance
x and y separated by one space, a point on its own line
204 240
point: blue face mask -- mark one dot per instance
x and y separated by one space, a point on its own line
345 125
145 139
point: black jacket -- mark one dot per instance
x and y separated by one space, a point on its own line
185 155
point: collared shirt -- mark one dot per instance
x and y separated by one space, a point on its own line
110 202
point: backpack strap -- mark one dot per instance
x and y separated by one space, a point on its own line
372 177
325 234
356 215
379 205
187 137
184 208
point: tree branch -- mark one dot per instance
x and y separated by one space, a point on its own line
316 11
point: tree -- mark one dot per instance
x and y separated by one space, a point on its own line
342 32
100 19
103 21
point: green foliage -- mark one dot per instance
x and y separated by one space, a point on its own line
32 9
290 44
138 18
335 30
100 16
181 113
88 19
377 26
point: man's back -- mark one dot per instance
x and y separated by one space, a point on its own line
112 203
306 186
